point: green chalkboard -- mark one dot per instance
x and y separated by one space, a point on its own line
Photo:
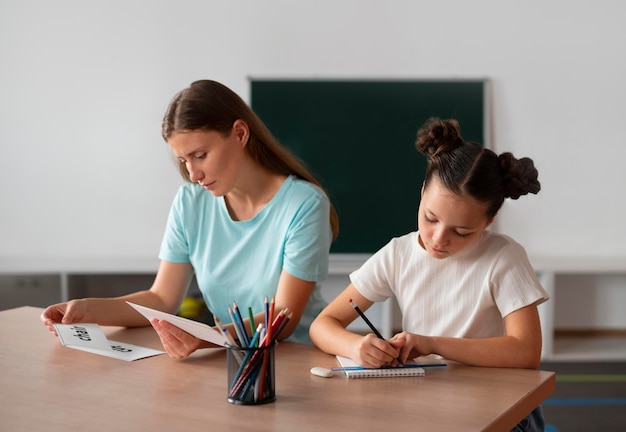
358 139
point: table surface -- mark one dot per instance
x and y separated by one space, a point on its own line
46 386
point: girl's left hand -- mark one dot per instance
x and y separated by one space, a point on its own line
178 343
411 345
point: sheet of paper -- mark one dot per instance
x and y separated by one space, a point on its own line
195 328
90 337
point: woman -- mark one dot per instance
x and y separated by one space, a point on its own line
251 222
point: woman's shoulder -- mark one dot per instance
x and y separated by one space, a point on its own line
191 193
296 193
303 188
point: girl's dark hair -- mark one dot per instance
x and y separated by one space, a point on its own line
209 105
466 168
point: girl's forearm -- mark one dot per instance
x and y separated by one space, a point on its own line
505 351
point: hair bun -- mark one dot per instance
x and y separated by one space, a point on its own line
520 176
438 136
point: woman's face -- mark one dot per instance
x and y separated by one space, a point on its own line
212 159
449 223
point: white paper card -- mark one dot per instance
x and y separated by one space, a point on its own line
195 328
90 337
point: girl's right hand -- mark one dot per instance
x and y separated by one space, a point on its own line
372 352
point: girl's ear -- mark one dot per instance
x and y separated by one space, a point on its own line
241 131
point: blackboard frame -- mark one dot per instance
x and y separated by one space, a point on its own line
357 137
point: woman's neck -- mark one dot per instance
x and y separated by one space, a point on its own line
253 194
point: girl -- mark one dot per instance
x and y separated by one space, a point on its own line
251 222
466 293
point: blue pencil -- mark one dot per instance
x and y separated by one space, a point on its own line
409 366
233 318
242 326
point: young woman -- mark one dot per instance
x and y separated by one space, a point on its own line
466 293
250 222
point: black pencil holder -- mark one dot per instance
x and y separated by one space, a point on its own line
250 375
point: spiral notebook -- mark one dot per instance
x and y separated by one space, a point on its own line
353 370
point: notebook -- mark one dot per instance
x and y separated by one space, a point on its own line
353 370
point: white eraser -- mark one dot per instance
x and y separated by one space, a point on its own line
323 372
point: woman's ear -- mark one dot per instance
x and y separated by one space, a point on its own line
241 131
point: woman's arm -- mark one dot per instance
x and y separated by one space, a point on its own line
166 294
292 293
328 332
519 348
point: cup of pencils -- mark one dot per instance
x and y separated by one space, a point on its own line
250 358
251 374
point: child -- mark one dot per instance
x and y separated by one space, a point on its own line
466 293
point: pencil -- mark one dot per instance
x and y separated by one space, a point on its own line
367 321
267 312
370 325
242 340
408 366
251 318
226 333
242 326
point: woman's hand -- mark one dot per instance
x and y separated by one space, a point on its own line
178 343
64 313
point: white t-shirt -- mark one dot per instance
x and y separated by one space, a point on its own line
241 261
464 296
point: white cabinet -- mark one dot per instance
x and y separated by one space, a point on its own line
42 282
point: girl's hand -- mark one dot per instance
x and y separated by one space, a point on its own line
178 343
411 345
372 352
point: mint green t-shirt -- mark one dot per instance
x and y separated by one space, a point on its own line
241 261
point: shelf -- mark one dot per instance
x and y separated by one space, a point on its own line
590 348
83 277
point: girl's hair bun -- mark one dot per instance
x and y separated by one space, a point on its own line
437 136
520 176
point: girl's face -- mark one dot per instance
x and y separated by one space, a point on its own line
449 223
213 160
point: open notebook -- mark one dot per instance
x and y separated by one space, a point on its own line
353 370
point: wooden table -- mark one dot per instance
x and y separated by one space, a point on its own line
48 387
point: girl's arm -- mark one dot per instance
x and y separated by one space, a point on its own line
519 348
328 332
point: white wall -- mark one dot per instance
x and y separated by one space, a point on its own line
83 86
